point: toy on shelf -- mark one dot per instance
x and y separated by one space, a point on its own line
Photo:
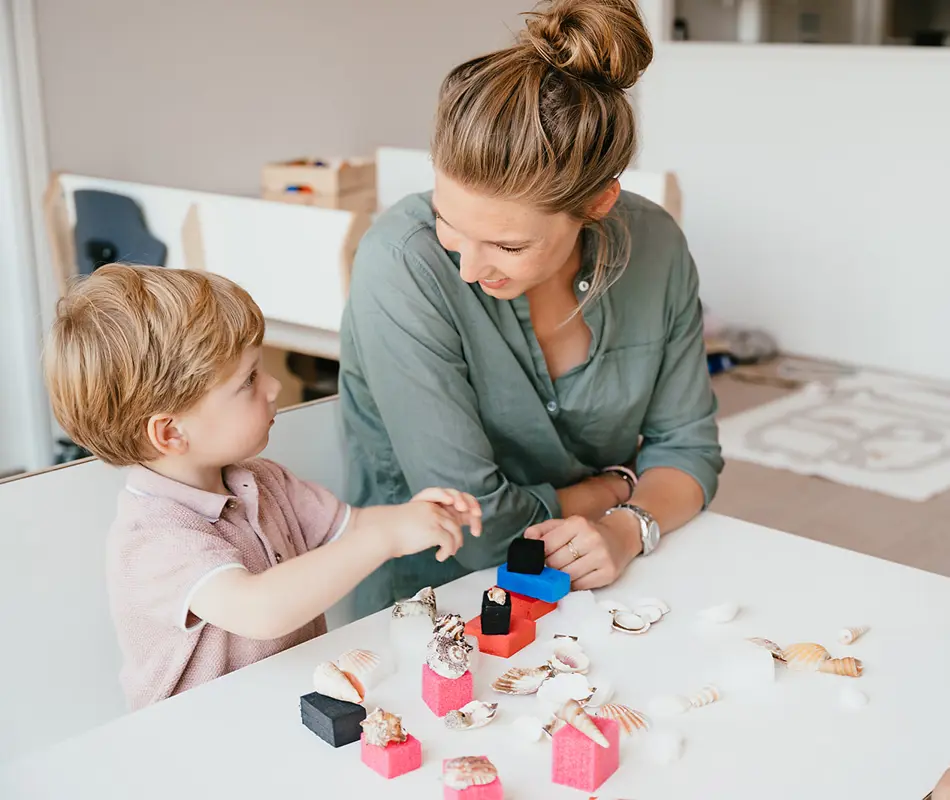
386 748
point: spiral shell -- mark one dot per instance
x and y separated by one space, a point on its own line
448 657
382 728
848 667
574 715
331 681
472 715
851 635
451 626
704 697
460 773
628 719
422 603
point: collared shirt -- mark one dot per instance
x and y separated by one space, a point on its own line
169 539
443 385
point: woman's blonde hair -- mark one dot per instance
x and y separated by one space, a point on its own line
129 342
547 121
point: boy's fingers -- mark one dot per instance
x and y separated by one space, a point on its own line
435 494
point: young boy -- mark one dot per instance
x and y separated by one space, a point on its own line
216 559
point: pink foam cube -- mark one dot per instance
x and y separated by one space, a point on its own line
579 762
443 695
394 759
486 791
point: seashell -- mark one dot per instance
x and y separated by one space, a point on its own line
527 729
570 658
665 747
451 626
521 680
472 715
851 635
669 705
460 773
629 622
497 595
649 613
768 644
382 728
553 726
422 603
628 719
448 657
848 667
852 698
566 640
365 665
574 715
705 696
602 694
331 681
653 601
805 656
563 687
721 614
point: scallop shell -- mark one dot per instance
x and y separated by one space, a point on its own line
422 603
721 614
848 667
570 658
704 697
365 665
851 635
805 656
460 773
521 680
331 681
776 651
628 622
563 687
628 719
448 657
497 595
451 626
574 715
472 715
382 728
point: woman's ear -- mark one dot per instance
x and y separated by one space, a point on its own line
165 435
603 204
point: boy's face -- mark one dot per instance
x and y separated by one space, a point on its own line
232 422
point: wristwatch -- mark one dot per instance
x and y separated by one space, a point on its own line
649 528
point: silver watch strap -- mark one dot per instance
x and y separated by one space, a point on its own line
649 529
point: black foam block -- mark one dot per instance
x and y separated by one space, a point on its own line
335 721
496 619
526 556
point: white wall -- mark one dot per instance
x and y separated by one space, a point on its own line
815 192
709 20
198 94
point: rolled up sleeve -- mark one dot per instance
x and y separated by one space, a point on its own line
416 375
679 429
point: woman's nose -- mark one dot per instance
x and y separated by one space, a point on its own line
471 267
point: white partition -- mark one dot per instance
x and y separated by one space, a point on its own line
59 671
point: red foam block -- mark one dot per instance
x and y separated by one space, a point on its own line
519 636
443 695
581 763
529 607
394 759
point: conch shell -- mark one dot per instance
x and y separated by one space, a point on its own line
705 696
448 657
497 595
451 626
382 728
851 635
521 680
574 715
670 705
628 719
811 657
421 603
331 681
460 773
472 715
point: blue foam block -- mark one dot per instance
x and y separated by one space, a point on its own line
550 586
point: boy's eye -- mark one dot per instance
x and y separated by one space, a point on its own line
250 379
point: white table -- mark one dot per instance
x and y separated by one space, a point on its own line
241 736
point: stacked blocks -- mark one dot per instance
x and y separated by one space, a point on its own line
443 695
496 619
393 760
521 633
581 763
526 556
335 721
550 585
529 607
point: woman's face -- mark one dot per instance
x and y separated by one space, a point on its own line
506 247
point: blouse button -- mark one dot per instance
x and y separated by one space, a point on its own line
552 406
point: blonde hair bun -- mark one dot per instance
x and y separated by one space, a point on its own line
602 42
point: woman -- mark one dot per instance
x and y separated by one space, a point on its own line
518 331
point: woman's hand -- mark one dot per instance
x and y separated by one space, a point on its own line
594 554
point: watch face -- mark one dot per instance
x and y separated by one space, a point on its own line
653 534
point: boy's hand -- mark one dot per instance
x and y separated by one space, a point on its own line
414 527
462 505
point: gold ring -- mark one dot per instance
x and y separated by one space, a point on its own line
574 554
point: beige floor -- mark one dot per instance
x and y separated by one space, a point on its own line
910 533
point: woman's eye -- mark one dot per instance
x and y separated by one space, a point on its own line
511 249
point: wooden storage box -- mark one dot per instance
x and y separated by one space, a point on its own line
348 184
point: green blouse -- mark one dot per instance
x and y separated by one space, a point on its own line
442 385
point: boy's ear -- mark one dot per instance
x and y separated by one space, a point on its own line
165 435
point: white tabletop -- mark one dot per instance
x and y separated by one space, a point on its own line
241 736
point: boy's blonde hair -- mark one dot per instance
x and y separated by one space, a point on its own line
129 342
